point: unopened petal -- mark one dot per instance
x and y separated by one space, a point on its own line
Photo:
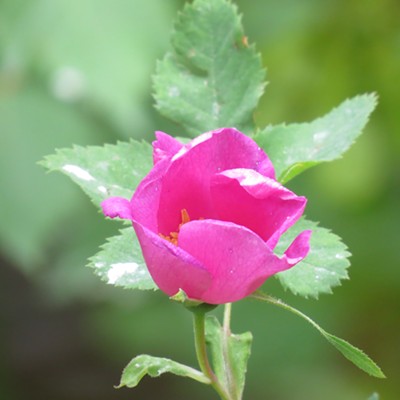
238 260
186 184
247 198
145 203
171 267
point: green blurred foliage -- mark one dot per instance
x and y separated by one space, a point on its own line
79 72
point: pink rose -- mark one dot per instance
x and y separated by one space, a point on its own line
209 215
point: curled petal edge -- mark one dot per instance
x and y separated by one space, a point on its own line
165 146
117 207
298 250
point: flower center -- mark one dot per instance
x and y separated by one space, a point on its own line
173 236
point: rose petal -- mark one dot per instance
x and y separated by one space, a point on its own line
186 185
146 199
238 260
145 203
299 248
247 198
165 146
240 147
116 207
171 267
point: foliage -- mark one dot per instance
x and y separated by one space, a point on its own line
111 170
155 366
296 147
120 262
324 267
228 349
213 78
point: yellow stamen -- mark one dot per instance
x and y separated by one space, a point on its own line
173 236
185 217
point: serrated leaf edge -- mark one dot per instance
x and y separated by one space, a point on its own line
285 175
315 296
103 247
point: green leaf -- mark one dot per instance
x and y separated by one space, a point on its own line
120 262
111 170
353 354
296 147
323 268
154 367
212 78
229 353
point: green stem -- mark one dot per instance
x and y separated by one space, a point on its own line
231 383
227 317
272 300
201 353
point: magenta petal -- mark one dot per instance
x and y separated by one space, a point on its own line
186 184
145 201
238 260
247 198
164 147
298 249
116 207
171 267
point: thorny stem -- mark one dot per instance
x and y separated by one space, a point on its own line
201 353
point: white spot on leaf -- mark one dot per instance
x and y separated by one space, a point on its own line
319 137
78 172
99 264
117 270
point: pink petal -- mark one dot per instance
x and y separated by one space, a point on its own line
145 201
165 146
298 249
171 267
247 198
116 207
186 184
231 147
238 260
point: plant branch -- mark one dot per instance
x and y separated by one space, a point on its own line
230 379
201 353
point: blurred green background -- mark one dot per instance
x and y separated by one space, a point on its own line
79 72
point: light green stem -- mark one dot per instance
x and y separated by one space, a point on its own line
201 353
230 379
272 300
